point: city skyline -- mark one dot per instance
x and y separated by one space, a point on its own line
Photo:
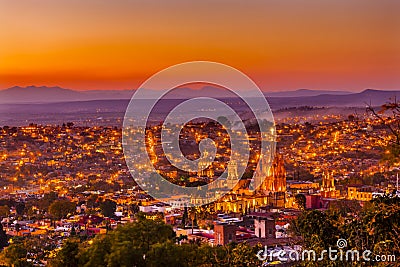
199 133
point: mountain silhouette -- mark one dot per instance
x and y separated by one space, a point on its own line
301 97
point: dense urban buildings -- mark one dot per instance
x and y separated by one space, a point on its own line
71 180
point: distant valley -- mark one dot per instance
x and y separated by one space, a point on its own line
54 105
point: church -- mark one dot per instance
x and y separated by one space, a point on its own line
270 175
328 189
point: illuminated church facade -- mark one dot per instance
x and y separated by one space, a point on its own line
328 189
270 187
203 166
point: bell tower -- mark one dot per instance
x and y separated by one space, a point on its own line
232 179
205 166
328 185
274 175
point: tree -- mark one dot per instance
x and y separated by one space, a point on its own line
14 255
61 208
134 208
38 247
4 211
104 186
243 255
3 238
45 202
91 201
68 255
375 227
193 217
185 216
151 243
215 256
389 116
300 200
170 254
381 220
95 254
108 207
126 245
73 231
316 228
19 208
344 207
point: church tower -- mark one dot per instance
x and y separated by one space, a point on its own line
328 185
263 170
232 179
205 166
274 175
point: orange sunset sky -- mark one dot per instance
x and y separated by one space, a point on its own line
280 44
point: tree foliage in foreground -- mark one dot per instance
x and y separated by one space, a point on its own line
153 243
375 227
61 208
150 243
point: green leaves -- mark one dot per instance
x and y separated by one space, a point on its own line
14 255
375 227
316 225
300 200
61 208
108 208
150 243
127 245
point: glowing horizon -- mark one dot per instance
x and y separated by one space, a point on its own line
282 45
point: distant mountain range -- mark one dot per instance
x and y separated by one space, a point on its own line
54 105
367 97
305 92
44 94
301 97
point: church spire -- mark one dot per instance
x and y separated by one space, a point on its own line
328 185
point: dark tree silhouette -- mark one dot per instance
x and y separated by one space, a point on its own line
3 238
389 116
19 208
108 208
300 200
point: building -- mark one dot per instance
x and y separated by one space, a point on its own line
205 166
224 233
232 179
264 225
328 189
271 178
360 192
298 187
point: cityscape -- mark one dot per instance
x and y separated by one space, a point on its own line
68 182
204 133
